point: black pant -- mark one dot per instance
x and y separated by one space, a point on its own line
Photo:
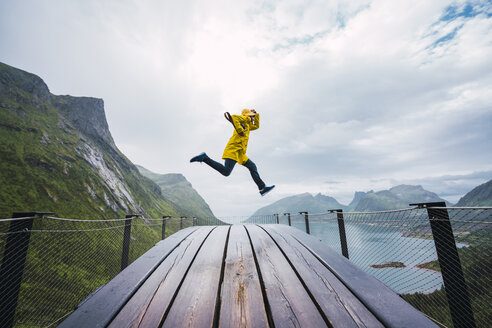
229 164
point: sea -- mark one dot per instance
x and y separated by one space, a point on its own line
373 244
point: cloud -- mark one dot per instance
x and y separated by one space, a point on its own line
365 93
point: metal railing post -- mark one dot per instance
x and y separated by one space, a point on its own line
341 230
276 216
288 218
164 221
126 240
181 222
13 262
306 219
449 261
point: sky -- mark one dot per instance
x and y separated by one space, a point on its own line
353 95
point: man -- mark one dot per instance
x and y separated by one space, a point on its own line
235 151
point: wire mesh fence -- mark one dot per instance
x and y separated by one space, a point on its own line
398 248
68 259
468 279
226 220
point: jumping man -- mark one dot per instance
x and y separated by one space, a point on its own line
235 151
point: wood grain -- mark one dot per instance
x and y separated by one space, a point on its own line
383 302
179 283
242 300
195 303
101 306
160 287
290 304
338 303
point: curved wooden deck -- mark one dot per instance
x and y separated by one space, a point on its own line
244 276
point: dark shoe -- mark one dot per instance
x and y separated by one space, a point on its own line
198 158
265 190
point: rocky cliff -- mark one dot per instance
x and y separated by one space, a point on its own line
57 154
87 115
357 197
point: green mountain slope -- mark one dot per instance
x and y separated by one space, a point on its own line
302 202
395 198
57 154
178 190
479 196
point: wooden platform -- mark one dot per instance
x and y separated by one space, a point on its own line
244 276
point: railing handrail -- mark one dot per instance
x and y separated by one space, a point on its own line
245 218
437 218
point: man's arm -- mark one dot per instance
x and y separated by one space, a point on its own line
255 122
236 121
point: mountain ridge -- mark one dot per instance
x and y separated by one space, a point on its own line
396 197
301 202
481 195
176 188
57 154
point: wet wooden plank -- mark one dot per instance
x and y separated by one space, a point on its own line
195 303
155 295
384 303
290 304
242 300
98 309
338 303
178 282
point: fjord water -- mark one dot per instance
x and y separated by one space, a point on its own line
371 244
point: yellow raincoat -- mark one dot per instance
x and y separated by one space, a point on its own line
237 145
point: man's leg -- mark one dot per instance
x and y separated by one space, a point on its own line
225 169
254 173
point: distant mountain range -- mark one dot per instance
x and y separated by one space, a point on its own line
177 189
395 198
302 202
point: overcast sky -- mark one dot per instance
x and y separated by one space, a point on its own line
353 95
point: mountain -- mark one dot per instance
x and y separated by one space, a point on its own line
355 201
302 202
57 154
395 198
479 196
178 190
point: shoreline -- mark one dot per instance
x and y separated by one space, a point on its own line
392 264
427 266
407 234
